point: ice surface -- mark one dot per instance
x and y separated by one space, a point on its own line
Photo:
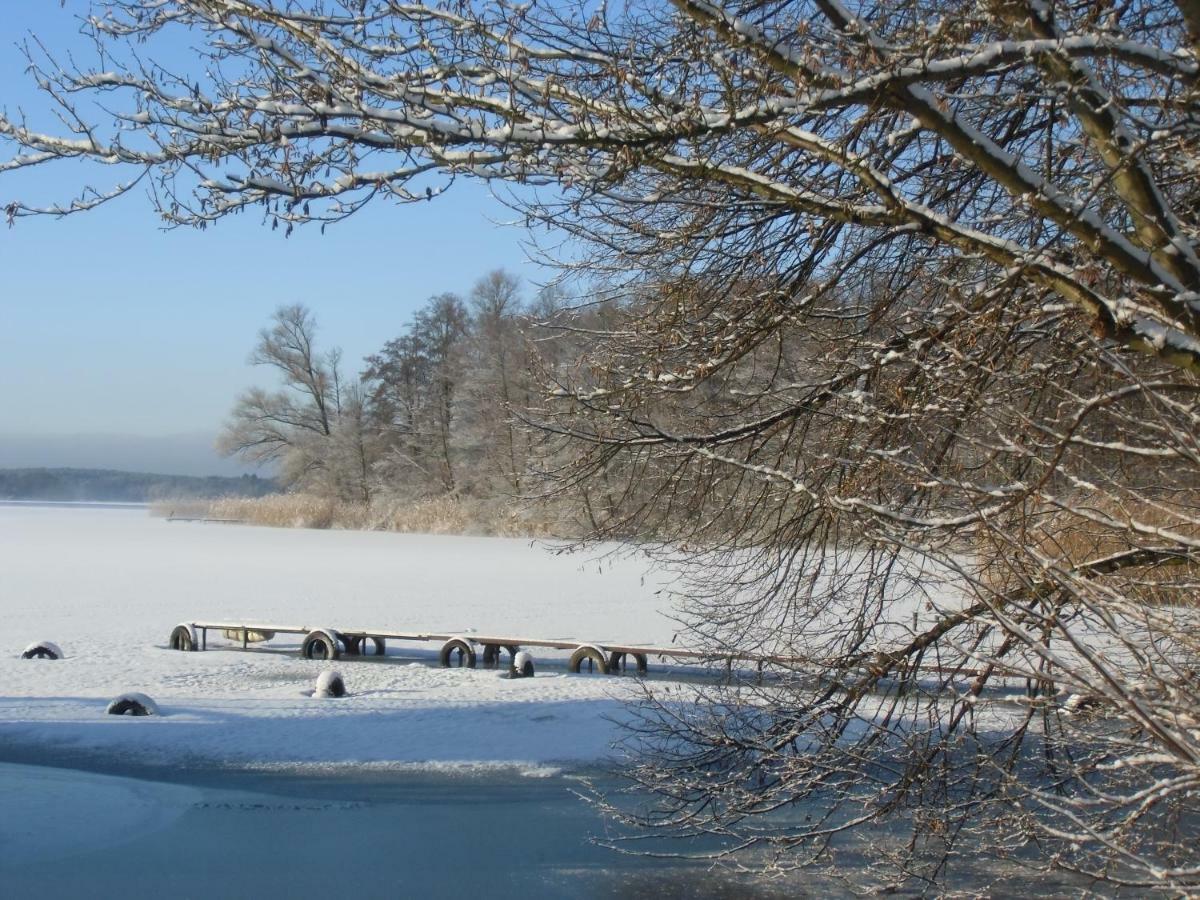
52 814
112 584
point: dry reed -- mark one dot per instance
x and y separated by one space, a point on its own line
435 515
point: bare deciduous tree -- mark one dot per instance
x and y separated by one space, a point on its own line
497 377
355 449
903 334
265 425
317 435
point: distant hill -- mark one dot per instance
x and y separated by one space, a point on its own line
107 485
183 454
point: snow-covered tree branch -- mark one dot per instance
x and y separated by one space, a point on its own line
894 328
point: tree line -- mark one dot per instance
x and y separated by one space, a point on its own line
104 485
435 411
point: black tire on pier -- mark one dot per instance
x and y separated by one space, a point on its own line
181 638
457 653
357 645
320 645
618 661
594 658
491 654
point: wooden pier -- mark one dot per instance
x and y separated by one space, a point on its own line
458 649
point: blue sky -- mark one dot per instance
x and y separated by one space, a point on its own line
110 325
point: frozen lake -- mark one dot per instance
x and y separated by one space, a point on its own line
108 585
424 781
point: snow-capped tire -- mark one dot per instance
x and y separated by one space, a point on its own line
320 644
42 650
330 684
522 665
132 704
459 649
593 655
183 637
618 662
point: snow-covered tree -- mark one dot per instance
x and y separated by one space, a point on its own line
414 383
314 427
498 379
263 424
901 333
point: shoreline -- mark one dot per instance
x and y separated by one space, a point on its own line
207 773
74 504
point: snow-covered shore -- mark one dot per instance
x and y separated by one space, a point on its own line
108 585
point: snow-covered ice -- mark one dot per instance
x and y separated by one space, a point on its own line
111 584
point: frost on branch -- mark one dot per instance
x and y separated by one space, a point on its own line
892 323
